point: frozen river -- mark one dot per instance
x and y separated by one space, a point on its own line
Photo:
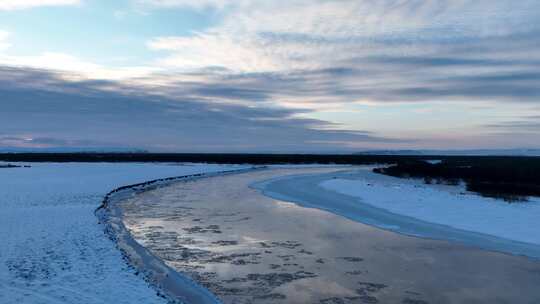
246 247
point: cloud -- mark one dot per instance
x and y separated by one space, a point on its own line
197 4
205 50
451 76
57 61
108 112
19 141
302 34
320 52
25 4
69 63
270 67
527 124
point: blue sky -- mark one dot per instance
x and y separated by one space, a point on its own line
247 75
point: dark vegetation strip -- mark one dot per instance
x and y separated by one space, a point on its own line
512 179
224 158
509 177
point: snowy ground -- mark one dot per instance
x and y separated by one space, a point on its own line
53 249
441 205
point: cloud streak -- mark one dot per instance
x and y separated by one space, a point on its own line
107 112
302 34
8 5
527 124
381 51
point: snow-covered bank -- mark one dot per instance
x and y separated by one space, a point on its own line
409 207
466 211
54 250
174 286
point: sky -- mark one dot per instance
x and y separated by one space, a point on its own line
270 76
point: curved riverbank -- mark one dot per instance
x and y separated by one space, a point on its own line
306 191
169 283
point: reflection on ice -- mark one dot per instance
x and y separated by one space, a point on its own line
246 247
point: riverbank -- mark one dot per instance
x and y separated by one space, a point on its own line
412 208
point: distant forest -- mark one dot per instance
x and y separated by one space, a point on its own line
513 179
262 159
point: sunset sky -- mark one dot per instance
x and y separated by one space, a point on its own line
270 76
